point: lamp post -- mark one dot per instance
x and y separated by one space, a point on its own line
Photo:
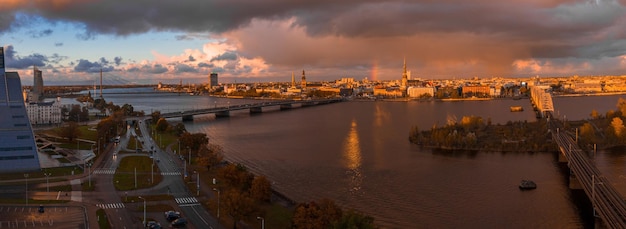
144 210
178 147
47 184
197 183
262 221
26 177
89 167
218 202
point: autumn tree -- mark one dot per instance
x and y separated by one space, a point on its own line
236 176
618 126
594 114
69 131
179 129
237 205
210 156
587 133
621 106
162 125
193 141
156 115
316 215
261 189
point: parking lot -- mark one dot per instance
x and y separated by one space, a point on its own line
53 217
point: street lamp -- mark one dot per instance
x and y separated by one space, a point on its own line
197 183
218 202
144 210
26 177
262 221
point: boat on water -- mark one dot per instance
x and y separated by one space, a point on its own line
516 108
527 184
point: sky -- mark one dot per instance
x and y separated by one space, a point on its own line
150 41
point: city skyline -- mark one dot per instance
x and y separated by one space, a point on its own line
251 41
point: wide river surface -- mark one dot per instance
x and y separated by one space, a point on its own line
358 154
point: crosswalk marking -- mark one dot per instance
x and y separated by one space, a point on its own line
104 171
170 173
186 200
110 206
188 205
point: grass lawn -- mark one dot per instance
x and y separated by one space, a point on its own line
103 221
125 175
132 143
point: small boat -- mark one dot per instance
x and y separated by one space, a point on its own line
527 184
516 108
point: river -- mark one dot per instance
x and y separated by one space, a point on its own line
358 154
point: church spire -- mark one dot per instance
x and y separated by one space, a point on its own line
404 75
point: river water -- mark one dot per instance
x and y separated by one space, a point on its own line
358 154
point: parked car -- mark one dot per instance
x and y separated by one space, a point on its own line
172 215
153 225
180 222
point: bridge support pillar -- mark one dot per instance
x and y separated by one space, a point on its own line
308 104
285 106
256 110
574 183
187 118
222 114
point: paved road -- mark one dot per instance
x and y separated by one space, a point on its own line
58 217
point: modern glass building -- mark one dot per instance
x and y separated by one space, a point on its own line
18 151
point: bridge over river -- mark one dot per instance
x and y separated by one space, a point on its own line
607 203
224 111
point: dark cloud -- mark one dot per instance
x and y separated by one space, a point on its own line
218 70
56 58
91 67
40 34
154 69
205 65
118 60
183 38
191 59
12 60
58 44
225 56
182 68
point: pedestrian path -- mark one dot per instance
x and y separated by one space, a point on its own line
104 171
110 206
186 200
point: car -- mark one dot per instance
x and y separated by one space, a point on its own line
41 209
172 215
180 222
153 225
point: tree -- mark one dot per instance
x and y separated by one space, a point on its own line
128 109
179 128
210 156
69 131
237 205
354 220
621 106
261 189
316 215
162 125
618 126
156 115
594 114
237 176
193 141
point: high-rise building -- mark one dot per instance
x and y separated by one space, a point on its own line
213 80
18 151
37 90
293 80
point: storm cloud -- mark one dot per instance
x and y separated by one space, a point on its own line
439 36
12 60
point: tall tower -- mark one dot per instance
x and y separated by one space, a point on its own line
37 90
212 79
303 83
404 76
293 80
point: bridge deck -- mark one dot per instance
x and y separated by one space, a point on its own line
607 202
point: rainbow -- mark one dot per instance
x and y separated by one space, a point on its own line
374 72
